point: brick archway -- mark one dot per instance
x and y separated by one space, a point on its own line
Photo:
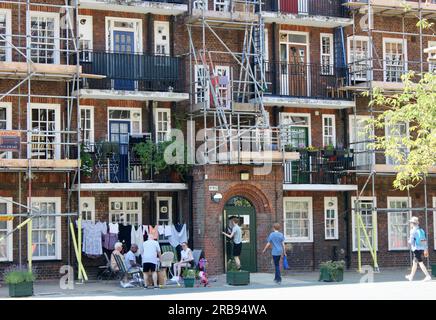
252 193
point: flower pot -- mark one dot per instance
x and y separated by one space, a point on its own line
328 275
189 283
238 278
433 270
22 289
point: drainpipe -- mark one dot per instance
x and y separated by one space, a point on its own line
347 229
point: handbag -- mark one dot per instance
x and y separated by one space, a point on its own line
285 263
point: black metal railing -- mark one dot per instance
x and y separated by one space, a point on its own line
321 167
124 71
130 3
327 8
306 80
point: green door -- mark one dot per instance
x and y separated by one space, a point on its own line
242 208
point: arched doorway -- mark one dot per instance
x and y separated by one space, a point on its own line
243 209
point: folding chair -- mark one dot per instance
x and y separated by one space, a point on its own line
135 275
105 272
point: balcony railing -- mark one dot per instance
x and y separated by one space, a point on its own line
327 8
306 80
321 167
133 2
134 72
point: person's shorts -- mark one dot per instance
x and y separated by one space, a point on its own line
418 255
147 267
237 249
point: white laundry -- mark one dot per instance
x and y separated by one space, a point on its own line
161 230
113 228
137 236
167 231
176 237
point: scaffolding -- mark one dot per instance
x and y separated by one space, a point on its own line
364 73
42 45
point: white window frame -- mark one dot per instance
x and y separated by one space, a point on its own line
9 226
310 217
353 223
86 36
334 207
225 89
57 108
204 88
388 160
409 214
8 107
170 209
266 49
91 202
166 25
431 65
350 54
131 119
58 243
124 200
352 138
91 130
156 122
137 30
8 37
333 136
396 41
331 55
55 15
283 115
224 3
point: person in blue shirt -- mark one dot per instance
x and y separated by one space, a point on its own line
276 241
419 247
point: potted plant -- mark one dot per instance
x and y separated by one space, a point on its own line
236 277
329 151
312 151
332 271
86 162
189 276
20 281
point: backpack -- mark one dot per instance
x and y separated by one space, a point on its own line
420 238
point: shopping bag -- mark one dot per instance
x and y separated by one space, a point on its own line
285 263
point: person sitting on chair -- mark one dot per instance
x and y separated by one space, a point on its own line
130 258
186 261
118 248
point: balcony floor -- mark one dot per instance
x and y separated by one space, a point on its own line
158 8
133 95
319 187
306 20
308 102
132 186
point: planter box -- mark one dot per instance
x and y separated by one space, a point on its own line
189 283
325 275
238 278
433 270
23 289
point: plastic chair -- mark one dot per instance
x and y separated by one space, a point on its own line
166 261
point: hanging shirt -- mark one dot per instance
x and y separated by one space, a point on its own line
153 233
167 230
92 237
160 229
125 235
177 237
137 237
109 240
113 228
145 230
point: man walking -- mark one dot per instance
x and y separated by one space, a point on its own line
276 241
418 244
236 235
150 258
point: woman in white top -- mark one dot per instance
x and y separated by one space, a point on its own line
186 261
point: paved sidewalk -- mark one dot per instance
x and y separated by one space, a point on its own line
261 283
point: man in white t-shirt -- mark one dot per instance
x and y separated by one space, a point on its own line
150 258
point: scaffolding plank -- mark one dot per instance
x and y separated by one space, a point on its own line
39 163
40 68
388 168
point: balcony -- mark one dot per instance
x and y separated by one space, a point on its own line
322 168
395 7
134 76
317 13
310 85
159 7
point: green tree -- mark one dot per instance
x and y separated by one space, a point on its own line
416 106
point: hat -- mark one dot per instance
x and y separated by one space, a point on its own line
414 220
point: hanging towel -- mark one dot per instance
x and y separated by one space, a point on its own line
167 231
176 237
137 237
161 230
153 233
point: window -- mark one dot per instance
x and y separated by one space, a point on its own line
298 219
120 27
163 124
223 88
44 40
164 212
397 132
432 65
5 35
45 136
394 59
5 123
87 127
125 210
297 129
86 38
398 223
6 244
331 218
132 114
266 50
201 84
87 208
221 5
46 230
327 61
360 140
366 207
162 38
359 58
328 130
